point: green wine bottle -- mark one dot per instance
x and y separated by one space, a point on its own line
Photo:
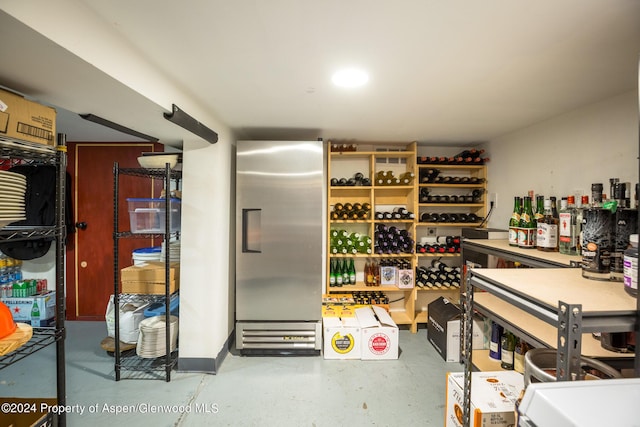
338 273
332 273
352 272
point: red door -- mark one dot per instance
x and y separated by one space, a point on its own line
90 260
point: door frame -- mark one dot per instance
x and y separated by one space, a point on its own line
71 255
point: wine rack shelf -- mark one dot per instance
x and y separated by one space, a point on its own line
372 168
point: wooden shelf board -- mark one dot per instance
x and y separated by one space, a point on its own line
438 255
547 286
448 224
452 205
362 287
401 318
443 166
532 326
462 186
482 362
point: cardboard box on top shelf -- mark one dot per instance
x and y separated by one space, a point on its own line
26 120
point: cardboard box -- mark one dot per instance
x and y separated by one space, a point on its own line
22 307
35 414
26 120
149 288
341 338
443 329
149 278
493 398
379 334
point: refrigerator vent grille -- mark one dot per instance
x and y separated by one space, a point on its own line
278 339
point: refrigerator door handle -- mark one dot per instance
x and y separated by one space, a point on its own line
251 230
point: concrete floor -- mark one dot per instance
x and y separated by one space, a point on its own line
247 391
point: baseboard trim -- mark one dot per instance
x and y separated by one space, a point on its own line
204 364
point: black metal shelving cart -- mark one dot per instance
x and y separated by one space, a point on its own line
151 366
39 154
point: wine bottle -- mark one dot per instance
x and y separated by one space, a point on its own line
528 227
514 221
338 273
332 273
494 346
352 272
507 348
538 213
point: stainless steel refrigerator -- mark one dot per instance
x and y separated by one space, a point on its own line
279 258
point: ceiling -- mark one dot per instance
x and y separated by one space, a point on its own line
440 71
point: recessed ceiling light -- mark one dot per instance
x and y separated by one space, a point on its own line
350 78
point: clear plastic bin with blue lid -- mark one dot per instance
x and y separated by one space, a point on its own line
147 215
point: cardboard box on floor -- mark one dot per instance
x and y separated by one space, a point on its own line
380 338
443 329
26 120
493 398
341 338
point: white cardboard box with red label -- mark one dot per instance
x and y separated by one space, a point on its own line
379 334
341 337
493 398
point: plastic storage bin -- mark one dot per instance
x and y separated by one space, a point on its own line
148 215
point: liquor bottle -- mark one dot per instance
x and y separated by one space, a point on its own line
547 237
625 224
568 239
528 227
554 206
597 228
584 204
514 222
352 272
332 273
539 211
507 348
630 268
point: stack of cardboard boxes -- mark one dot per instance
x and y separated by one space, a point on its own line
149 278
358 332
26 120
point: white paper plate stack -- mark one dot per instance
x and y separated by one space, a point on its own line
143 255
174 251
12 188
152 340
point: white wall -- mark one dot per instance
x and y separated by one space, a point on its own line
207 281
565 154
